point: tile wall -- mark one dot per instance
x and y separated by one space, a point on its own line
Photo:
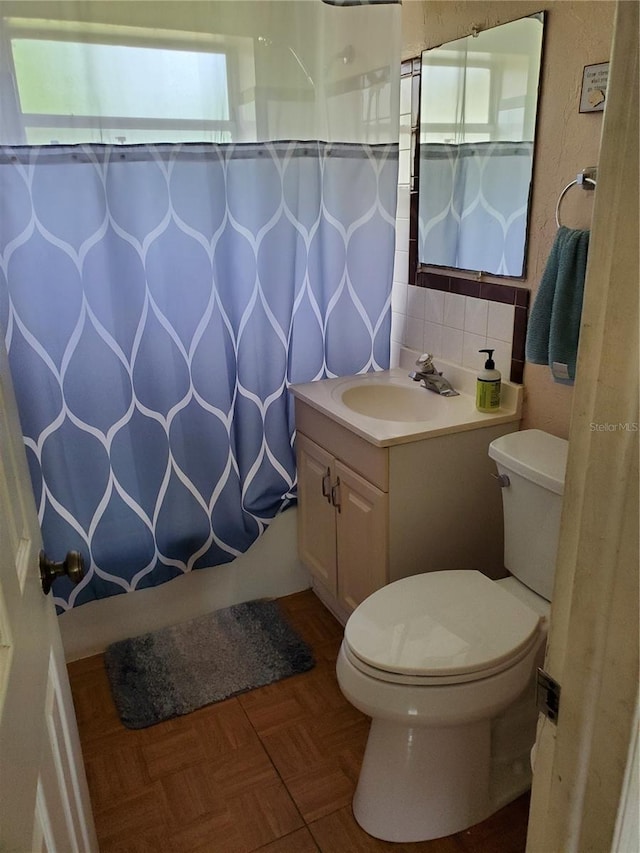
448 316
400 291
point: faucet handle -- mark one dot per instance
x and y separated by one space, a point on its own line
424 360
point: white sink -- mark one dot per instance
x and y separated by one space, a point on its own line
386 407
389 402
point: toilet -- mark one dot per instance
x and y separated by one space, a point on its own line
445 665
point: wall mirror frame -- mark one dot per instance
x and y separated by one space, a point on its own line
474 133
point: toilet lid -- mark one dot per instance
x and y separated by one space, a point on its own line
449 623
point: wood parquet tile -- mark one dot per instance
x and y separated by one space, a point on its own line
273 769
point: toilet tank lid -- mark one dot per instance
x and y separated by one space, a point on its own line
534 454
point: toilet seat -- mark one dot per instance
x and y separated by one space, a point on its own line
440 628
434 680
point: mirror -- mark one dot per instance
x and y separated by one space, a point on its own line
478 104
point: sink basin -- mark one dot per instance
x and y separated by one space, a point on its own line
389 402
386 408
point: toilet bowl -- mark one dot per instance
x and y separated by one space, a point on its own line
427 768
445 665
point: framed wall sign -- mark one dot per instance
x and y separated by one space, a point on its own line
594 87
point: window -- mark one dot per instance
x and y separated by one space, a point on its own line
476 96
87 83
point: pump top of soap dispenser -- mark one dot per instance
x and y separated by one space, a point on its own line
489 363
488 385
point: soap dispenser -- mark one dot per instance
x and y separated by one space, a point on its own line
488 385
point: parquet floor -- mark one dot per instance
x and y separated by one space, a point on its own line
272 770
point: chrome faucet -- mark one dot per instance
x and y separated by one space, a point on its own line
432 378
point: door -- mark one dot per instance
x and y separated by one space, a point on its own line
316 513
362 536
581 783
44 800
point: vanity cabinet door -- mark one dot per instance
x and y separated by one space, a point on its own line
316 513
362 513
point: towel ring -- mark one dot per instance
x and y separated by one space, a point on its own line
583 181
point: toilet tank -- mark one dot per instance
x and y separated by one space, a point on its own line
535 462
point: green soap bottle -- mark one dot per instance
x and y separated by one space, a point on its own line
488 385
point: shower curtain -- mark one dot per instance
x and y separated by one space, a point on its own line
158 298
475 216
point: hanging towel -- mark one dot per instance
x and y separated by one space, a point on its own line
554 324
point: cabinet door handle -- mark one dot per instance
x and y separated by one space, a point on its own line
326 490
335 494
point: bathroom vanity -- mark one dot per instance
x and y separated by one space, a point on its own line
394 480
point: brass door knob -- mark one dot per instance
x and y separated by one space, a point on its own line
72 566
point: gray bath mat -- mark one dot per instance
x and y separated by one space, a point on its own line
176 670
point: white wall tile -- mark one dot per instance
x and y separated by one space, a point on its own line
415 302
470 356
501 356
405 94
454 310
434 306
404 167
394 356
403 208
452 345
401 267
414 333
405 330
399 297
448 325
475 315
404 137
500 321
402 235
398 325
433 339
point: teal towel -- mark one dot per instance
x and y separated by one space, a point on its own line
554 324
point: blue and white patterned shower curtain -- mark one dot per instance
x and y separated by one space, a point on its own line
473 214
197 209
157 301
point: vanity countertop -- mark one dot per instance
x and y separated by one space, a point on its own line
414 413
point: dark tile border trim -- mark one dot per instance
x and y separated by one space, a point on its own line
508 294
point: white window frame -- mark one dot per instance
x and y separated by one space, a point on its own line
125 36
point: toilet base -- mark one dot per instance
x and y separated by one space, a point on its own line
419 783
